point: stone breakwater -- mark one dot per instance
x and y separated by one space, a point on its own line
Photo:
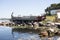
38 27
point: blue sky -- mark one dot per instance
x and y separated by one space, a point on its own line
24 7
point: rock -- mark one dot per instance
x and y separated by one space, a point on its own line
35 25
44 33
50 29
58 33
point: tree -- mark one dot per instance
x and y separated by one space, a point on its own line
52 7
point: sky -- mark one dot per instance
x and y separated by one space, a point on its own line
24 7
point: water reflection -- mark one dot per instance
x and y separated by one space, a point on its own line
21 35
7 33
30 35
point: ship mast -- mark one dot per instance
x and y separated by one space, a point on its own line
12 15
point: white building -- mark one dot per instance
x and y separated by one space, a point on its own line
54 11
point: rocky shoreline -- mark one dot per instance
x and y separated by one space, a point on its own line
42 31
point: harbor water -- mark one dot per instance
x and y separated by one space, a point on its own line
7 33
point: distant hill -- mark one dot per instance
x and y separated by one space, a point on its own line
5 18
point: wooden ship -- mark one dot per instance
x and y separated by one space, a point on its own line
27 19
